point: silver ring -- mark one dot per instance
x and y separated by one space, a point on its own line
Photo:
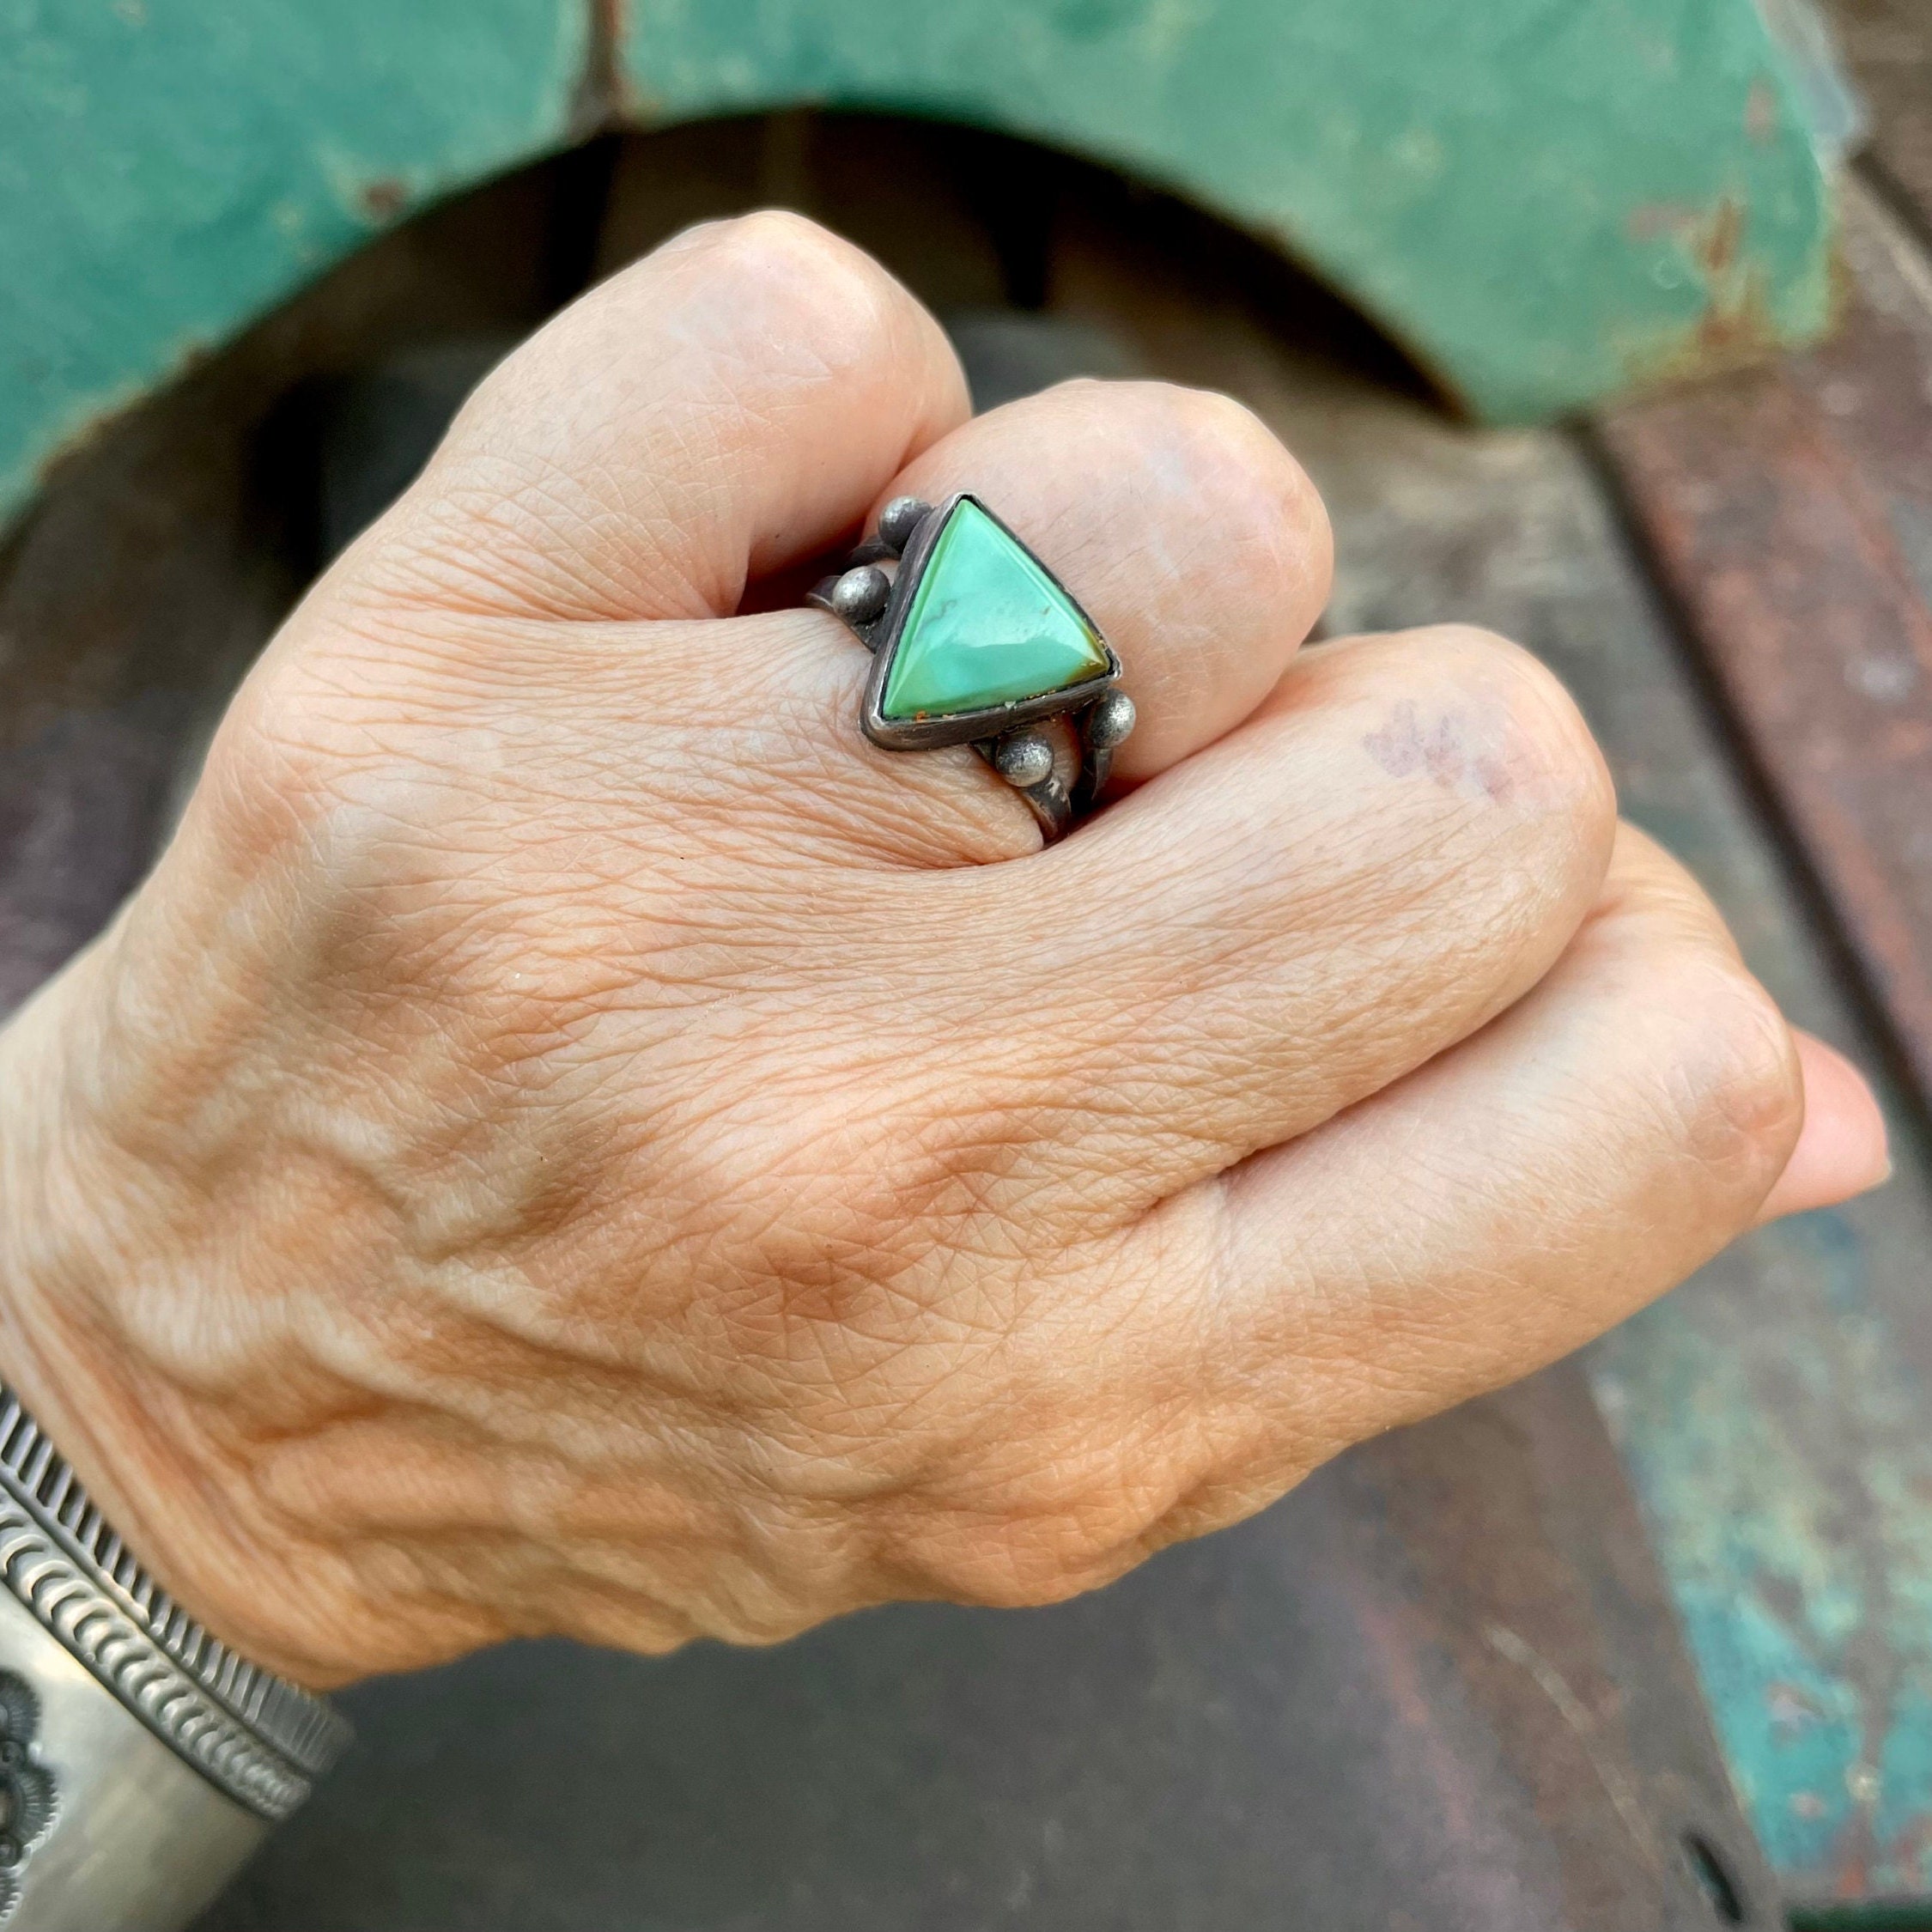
975 641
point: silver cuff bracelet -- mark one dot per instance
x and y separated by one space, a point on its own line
141 1760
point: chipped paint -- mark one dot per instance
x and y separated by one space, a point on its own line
1708 255
1786 1496
1463 174
168 175
1779 1435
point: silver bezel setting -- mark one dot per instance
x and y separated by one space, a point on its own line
883 637
1099 714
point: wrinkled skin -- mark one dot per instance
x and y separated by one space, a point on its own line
571 1139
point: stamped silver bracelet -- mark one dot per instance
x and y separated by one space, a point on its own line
141 1760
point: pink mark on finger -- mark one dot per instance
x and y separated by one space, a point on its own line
1442 748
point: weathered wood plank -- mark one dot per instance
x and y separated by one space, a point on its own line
1545 201
1791 510
1774 1412
1887 46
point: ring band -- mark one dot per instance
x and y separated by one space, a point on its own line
975 641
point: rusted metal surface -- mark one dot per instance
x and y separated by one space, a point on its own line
1434 1691
1527 1566
1775 1411
1792 512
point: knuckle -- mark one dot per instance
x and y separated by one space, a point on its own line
272 748
1225 432
814 273
1523 686
1742 1100
1229 431
1048 1533
1264 503
766 234
1239 478
1545 746
359 710
1019 1564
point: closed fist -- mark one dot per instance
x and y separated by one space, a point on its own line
572 1138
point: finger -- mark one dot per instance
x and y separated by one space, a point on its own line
1518 1196
1396 847
1501 1206
1842 1151
1189 535
727 405
1187 532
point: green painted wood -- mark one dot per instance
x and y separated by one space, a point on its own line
1545 201
171 168
1774 1423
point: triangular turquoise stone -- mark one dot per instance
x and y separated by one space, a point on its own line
987 626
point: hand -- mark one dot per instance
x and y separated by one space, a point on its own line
571 1139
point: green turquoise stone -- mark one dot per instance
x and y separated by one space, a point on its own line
987 626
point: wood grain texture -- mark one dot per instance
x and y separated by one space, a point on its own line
1544 202
1791 509
1776 1413
1887 46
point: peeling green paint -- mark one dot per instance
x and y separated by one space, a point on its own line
1787 1494
168 170
1544 200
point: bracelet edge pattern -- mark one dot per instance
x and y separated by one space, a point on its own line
257 1737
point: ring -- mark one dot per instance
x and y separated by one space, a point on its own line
975 642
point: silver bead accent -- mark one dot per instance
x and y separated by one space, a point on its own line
1110 722
859 595
1023 758
899 520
